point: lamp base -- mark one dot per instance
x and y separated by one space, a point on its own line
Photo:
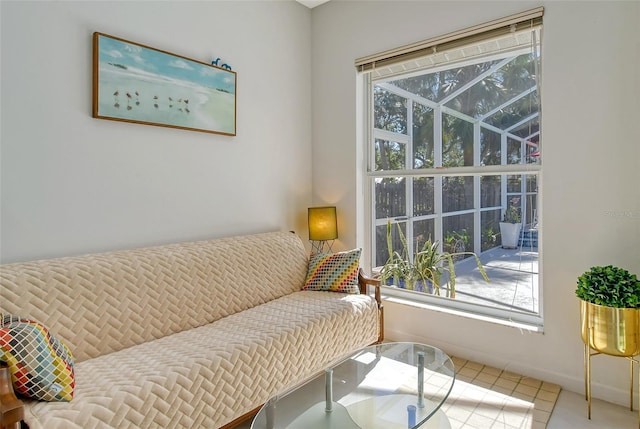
321 246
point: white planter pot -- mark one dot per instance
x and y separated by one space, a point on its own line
510 232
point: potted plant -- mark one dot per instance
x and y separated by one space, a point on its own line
423 271
610 310
397 270
510 227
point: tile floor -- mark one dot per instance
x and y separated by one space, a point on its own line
571 412
484 397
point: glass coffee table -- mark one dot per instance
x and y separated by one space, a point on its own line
390 385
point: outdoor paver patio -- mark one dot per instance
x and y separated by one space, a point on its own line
513 275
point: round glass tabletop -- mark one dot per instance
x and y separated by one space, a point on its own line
389 385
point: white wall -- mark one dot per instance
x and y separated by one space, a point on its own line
72 184
591 192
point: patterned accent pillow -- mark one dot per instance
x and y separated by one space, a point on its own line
41 365
335 272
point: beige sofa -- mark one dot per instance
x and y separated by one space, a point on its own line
190 335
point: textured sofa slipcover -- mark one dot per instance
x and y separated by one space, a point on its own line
186 335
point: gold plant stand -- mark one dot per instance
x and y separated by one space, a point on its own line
587 379
611 331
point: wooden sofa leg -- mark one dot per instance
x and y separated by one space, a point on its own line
11 408
381 336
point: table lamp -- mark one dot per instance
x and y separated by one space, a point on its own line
323 228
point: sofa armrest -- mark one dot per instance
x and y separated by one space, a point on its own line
364 282
11 408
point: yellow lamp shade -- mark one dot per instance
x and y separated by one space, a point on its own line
323 224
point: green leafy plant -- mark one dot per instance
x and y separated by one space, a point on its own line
512 215
609 286
397 266
427 265
456 241
489 238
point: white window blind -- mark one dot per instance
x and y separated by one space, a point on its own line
497 38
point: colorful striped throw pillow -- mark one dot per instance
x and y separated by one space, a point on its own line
41 365
335 272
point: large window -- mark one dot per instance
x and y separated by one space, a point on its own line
454 145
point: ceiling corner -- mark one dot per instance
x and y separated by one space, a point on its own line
311 3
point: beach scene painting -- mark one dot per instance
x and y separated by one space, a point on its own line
136 83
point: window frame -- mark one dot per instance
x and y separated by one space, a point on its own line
370 135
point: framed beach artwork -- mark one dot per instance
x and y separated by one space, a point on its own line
136 83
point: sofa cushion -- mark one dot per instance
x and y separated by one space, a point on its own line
335 272
208 376
41 365
106 302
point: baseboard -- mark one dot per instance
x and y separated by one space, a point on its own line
606 393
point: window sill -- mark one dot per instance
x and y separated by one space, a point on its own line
535 325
